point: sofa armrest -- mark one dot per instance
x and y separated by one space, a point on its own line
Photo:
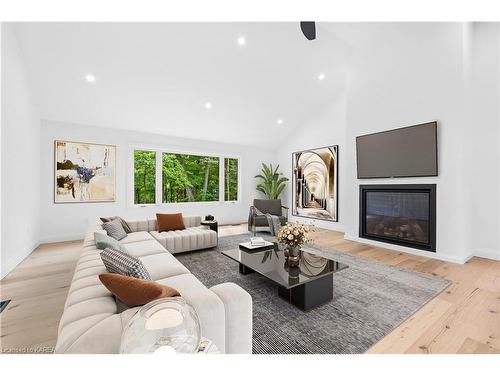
210 310
238 310
99 333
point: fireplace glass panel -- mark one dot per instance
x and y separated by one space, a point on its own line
398 215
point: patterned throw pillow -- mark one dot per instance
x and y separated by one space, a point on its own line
117 261
125 225
114 229
103 241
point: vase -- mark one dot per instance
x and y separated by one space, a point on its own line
293 256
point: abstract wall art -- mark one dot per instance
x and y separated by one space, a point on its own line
84 172
315 183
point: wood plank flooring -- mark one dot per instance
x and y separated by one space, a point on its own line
464 319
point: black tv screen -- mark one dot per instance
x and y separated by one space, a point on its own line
404 152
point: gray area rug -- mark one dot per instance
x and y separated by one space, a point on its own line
370 299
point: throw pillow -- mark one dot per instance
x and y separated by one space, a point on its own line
168 222
103 241
114 229
125 225
135 292
117 261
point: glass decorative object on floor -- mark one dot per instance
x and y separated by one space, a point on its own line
164 326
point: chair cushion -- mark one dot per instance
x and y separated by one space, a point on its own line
261 221
168 222
135 292
114 229
268 206
117 261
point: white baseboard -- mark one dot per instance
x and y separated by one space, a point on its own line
61 238
11 264
487 253
403 249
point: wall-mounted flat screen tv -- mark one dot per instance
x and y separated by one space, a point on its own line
404 152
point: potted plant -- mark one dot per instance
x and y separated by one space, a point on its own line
272 182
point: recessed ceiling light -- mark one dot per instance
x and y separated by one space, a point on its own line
321 76
208 105
241 41
280 121
90 78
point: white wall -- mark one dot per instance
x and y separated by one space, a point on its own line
20 156
325 128
409 74
70 220
481 146
404 74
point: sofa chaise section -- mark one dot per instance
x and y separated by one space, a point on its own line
194 237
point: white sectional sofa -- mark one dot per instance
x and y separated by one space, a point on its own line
91 322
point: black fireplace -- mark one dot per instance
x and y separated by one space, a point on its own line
399 214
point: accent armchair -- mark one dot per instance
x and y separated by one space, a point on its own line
257 215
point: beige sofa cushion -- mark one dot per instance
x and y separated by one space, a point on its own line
192 238
144 248
135 237
163 265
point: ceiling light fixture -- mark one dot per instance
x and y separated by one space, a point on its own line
280 121
208 105
90 78
321 76
241 41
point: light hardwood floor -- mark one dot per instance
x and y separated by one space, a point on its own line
465 318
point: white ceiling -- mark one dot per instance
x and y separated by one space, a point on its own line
157 77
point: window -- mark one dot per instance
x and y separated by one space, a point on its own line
144 177
230 179
190 178
171 177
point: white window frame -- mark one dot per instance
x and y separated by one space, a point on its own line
159 175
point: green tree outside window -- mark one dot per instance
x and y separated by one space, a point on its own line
144 177
230 179
190 178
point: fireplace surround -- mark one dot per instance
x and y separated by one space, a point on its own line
399 214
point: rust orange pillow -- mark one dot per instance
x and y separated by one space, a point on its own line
168 222
135 292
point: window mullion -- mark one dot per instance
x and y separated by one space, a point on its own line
159 178
221 179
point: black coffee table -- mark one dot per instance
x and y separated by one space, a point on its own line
306 286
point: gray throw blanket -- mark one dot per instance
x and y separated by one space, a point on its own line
274 223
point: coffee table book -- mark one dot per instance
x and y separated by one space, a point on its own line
248 246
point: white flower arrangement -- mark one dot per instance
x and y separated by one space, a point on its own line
294 234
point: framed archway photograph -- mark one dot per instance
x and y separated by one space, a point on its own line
315 183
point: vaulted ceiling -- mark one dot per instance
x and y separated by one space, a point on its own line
158 77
